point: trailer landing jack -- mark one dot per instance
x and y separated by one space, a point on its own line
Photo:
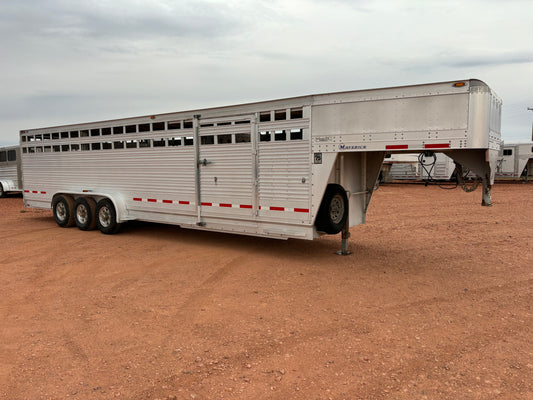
344 241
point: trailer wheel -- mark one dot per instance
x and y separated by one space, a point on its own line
2 193
63 209
106 217
84 213
333 210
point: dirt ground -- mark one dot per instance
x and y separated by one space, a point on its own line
434 303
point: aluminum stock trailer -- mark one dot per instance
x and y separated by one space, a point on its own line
297 167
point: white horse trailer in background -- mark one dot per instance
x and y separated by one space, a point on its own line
10 173
516 161
290 168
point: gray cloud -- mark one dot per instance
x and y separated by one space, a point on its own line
492 60
61 19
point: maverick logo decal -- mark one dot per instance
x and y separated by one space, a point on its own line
350 147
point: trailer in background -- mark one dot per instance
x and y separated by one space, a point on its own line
291 168
10 170
414 167
515 161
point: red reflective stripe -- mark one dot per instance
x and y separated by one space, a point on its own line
437 146
26 191
183 202
277 208
246 206
152 200
43 192
137 199
34 191
167 201
206 204
396 146
224 205
303 210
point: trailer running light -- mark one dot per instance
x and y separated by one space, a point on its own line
459 84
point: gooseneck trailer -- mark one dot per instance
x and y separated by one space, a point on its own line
290 168
10 170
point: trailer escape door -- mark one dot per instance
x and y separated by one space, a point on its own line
225 166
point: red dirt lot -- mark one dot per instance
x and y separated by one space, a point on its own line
434 303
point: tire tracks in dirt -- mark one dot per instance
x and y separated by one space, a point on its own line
194 301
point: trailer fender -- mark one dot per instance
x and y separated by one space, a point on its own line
8 185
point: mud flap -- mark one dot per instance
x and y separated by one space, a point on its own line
483 163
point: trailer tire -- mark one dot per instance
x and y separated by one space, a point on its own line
106 217
2 193
63 209
85 213
333 211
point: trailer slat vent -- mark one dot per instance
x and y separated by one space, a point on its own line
264 136
224 139
174 125
297 134
264 116
242 138
174 141
297 113
210 139
280 115
158 126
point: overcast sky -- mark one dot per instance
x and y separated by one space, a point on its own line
80 61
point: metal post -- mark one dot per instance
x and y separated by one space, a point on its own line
531 109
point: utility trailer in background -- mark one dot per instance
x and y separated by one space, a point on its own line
290 168
10 172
